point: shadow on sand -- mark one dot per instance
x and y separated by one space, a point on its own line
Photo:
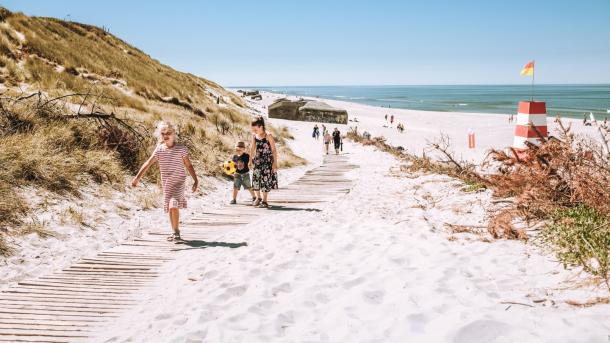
288 208
198 244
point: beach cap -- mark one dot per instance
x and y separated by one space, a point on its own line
240 145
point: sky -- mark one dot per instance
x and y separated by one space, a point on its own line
354 42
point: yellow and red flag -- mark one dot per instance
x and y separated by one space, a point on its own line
528 70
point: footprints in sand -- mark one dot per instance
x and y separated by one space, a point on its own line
163 316
261 307
373 297
354 282
482 331
282 288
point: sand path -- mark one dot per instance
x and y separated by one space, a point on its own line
78 302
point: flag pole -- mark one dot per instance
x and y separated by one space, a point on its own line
533 76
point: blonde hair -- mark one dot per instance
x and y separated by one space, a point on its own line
163 126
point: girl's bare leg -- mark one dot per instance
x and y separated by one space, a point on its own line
265 196
252 192
258 194
174 219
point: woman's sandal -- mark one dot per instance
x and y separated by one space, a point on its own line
175 237
264 204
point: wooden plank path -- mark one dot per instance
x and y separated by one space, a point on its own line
72 304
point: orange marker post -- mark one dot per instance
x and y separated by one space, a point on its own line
471 141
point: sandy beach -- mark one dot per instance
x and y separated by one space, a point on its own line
492 131
379 264
375 265
122 219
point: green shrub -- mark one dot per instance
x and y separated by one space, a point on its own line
580 236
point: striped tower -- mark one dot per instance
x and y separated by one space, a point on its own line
531 113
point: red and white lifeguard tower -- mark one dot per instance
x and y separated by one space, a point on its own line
531 124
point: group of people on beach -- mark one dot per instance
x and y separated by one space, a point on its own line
174 162
327 137
399 126
589 120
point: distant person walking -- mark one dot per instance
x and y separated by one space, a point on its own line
263 163
327 138
338 142
173 160
400 127
392 119
316 132
386 117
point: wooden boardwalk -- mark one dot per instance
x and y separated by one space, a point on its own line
73 304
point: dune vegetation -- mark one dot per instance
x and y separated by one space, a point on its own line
78 107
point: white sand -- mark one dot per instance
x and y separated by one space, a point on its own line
376 265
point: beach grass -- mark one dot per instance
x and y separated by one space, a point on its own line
38 227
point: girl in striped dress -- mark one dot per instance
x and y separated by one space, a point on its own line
173 160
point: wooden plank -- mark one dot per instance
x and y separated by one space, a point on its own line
72 290
22 303
136 257
45 327
100 277
97 266
63 309
56 316
43 333
36 339
66 301
53 313
55 323
64 292
120 262
63 295
79 270
91 280
79 285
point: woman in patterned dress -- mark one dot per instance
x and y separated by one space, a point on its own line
173 159
263 163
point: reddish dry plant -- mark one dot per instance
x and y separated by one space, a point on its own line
561 172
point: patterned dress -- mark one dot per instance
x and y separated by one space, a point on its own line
173 175
263 177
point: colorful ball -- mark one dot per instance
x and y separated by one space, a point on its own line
229 167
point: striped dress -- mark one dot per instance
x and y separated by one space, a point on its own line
173 175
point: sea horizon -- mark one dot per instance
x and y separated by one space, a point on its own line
424 85
567 100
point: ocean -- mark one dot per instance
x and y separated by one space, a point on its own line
563 100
